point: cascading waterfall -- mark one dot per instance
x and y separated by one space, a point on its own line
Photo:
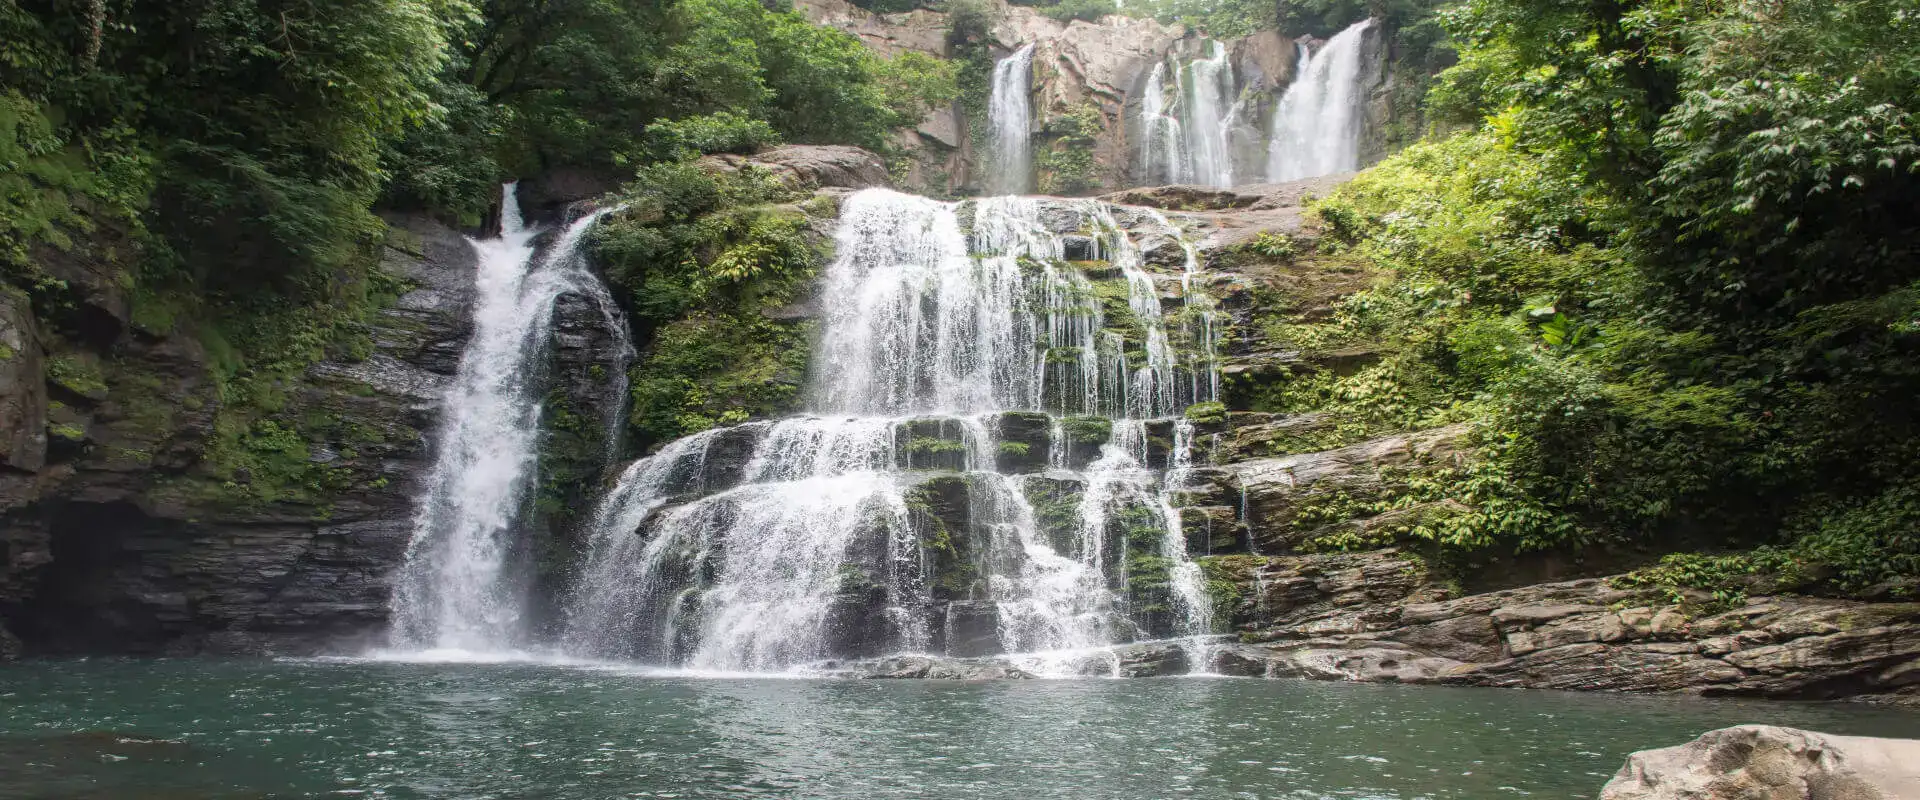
460 587
1316 124
1010 118
909 512
1188 137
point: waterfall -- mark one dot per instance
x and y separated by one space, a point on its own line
1209 93
461 586
1010 118
909 510
1316 124
1187 133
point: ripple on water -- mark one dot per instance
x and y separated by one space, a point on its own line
528 728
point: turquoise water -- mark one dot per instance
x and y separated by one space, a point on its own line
187 728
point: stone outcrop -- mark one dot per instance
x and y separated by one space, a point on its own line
1764 762
1378 617
811 167
1275 489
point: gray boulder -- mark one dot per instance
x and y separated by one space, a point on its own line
1764 762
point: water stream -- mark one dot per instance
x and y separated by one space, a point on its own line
462 587
1187 128
1317 123
1010 119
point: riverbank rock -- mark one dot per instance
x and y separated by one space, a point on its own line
1379 617
1764 762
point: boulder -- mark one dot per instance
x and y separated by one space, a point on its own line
810 167
1765 762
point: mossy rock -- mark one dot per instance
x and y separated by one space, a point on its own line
1024 440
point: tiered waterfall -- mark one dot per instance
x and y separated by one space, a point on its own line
987 467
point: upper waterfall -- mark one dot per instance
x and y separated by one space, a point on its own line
1186 131
1010 118
1316 125
461 587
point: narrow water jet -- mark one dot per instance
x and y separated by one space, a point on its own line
1010 119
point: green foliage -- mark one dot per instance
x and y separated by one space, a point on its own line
1665 281
1272 245
698 258
1208 412
719 132
1086 10
1066 163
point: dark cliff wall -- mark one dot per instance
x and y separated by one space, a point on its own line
117 535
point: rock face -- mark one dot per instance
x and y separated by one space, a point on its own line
1764 762
117 540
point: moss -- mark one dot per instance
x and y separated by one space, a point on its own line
1016 448
931 445
1228 581
1087 428
1207 413
78 373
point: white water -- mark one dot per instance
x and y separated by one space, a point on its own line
1187 135
1010 119
804 541
1316 125
461 589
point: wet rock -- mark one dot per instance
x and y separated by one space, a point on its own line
973 629
23 388
939 443
124 544
1024 438
1153 659
927 667
1055 497
940 508
728 453
1083 437
1749 762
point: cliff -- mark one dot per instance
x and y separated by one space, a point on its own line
1089 82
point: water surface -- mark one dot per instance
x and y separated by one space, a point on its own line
191 728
